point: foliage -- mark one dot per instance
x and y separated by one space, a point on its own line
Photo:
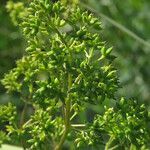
66 66
123 127
133 54
17 11
7 118
125 124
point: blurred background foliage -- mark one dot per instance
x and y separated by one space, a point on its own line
126 26
11 46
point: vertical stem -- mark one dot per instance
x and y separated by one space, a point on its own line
108 144
67 116
23 115
22 119
68 99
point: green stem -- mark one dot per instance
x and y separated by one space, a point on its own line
59 34
67 116
108 144
22 117
78 125
67 126
114 147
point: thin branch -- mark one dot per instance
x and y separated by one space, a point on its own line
108 144
78 125
27 123
59 34
23 115
114 147
72 117
118 25
67 116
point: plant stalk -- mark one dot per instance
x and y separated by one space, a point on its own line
67 116
78 125
108 144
